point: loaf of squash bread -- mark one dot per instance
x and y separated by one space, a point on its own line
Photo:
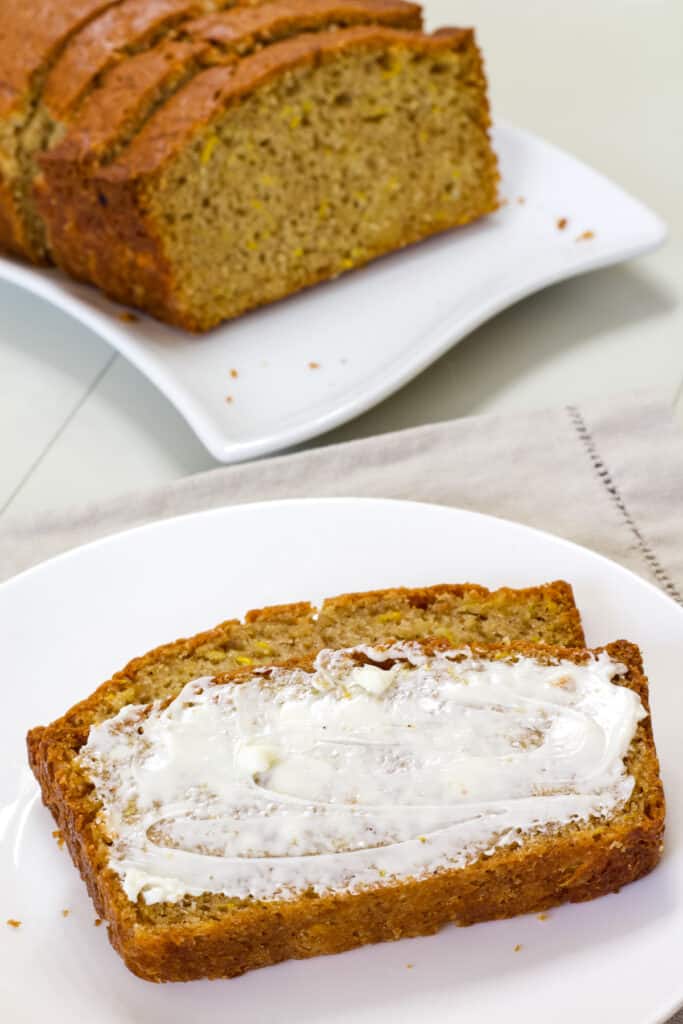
285 168
197 158
366 794
96 81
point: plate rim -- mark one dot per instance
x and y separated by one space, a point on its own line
46 285
169 521
662 1012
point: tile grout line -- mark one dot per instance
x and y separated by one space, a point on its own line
678 395
58 433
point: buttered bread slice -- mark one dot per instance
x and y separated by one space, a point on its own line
367 793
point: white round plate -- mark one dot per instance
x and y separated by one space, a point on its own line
68 624
370 332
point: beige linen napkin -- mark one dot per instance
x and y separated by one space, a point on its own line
607 474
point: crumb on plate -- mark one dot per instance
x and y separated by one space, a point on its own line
409 966
13 923
521 200
542 917
57 834
65 913
562 223
234 374
517 948
229 399
585 236
313 366
98 922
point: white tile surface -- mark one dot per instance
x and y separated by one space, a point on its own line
602 79
48 364
146 443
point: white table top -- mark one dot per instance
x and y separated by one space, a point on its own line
600 78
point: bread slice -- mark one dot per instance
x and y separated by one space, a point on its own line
534 833
460 613
31 40
193 220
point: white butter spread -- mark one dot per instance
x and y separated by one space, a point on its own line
355 773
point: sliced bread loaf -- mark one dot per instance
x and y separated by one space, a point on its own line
109 54
299 162
368 794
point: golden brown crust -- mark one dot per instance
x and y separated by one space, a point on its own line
129 25
30 35
12 231
571 865
242 27
99 226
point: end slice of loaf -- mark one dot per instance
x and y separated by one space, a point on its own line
219 935
300 162
31 41
117 33
460 613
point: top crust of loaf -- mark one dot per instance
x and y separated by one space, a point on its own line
243 23
92 50
214 936
30 37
